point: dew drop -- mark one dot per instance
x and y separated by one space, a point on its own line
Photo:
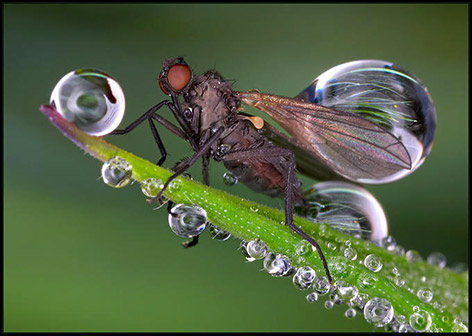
230 179
151 186
345 291
438 259
90 99
385 94
304 278
399 250
216 233
350 253
425 294
366 280
175 185
350 313
378 312
329 304
420 320
254 250
389 243
347 208
399 281
460 328
412 256
187 220
277 265
116 172
373 262
321 285
312 297
303 248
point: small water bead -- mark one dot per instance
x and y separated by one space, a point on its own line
321 285
116 172
350 313
348 208
412 256
437 259
366 281
460 328
187 221
175 185
345 291
304 278
373 262
378 312
303 248
389 243
399 281
230 179
312 297
425 294
216 233
90 99
151 186
329 304
277 265
254 250
399 250
350 253
420 320
385 94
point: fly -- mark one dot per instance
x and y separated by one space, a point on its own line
324 143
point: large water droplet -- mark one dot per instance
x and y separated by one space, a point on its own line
90 99
386 94
378 312
187 220
347 208
277 265
116 172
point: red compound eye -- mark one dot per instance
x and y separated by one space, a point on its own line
178 76
161 86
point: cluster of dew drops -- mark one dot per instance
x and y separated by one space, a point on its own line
190 221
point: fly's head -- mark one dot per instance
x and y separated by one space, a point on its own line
175 77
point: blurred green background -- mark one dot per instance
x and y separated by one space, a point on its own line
80 256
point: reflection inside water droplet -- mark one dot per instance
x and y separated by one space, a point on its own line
254 249
151 186
347 208
116 172
385 94
187 221
278 265
90 99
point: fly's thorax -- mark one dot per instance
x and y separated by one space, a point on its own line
212 100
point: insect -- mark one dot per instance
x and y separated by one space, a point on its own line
324 144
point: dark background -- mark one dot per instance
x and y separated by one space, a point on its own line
80 256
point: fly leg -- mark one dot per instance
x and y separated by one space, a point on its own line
183 166
271 151
149 116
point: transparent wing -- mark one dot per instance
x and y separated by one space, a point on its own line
351 146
